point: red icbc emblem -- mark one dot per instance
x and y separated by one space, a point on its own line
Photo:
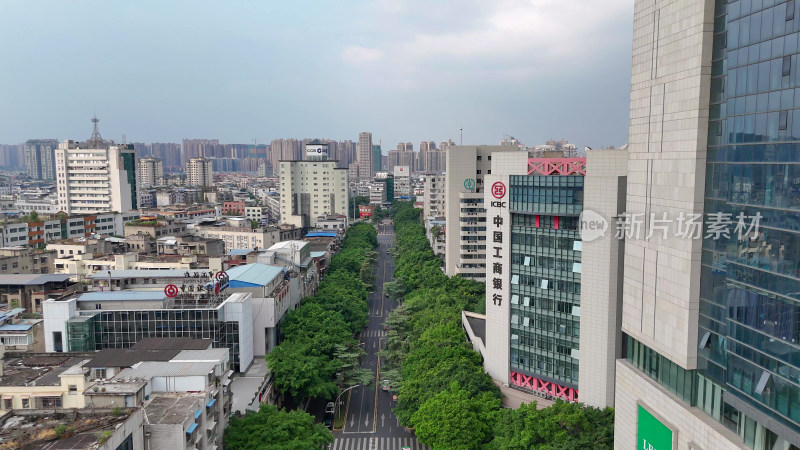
498 190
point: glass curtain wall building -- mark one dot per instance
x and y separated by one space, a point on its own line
749 324
545 281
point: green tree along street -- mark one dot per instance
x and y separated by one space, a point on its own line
443 392
455 419
318 352
305 363
271 428
563 425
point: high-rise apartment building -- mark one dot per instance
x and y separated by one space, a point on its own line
364 155
285 150
428 157
199 148
96 176
465 235
151 172
434 195
12 156
711 318
376 158
40 158
312 188
402 181
200 172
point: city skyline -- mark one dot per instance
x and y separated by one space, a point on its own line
141 75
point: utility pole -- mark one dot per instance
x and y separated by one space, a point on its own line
461 142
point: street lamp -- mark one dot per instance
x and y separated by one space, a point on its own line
336 406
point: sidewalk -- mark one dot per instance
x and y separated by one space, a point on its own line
513 398
245 388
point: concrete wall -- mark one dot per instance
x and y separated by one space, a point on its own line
56 314
670 88
192 383
601 282
692 428
166 437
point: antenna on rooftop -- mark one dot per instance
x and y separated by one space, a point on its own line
96 141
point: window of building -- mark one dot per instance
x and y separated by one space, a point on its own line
26 402
8 403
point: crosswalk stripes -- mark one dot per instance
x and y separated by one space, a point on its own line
377 443
373 333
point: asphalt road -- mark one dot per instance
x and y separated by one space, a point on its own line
369 409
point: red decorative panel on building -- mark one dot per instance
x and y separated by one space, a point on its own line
557 166
547 387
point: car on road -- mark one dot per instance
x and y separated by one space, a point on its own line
328 418
386 385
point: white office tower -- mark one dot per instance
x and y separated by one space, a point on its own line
199 172
96 176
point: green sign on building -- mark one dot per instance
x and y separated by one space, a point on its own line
652 434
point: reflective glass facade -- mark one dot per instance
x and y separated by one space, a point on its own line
545 276
749 334
123 329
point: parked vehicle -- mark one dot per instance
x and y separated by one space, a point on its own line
328 418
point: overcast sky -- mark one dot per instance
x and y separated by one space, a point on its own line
406 70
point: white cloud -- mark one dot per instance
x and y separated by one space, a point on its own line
511 38
355 54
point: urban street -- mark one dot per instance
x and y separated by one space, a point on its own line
369 421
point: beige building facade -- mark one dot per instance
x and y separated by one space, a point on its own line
151 172
310 189
465 235
199 172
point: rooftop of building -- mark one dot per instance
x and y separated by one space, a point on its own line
171 409
10 313
185 300
317 234
128 357
153 349
174 343
138 273
32 279
122 386
251 275
37 431
288 245
207 355
150 369
36 370
478 326
122 296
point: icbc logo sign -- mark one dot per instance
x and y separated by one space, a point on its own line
498 190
